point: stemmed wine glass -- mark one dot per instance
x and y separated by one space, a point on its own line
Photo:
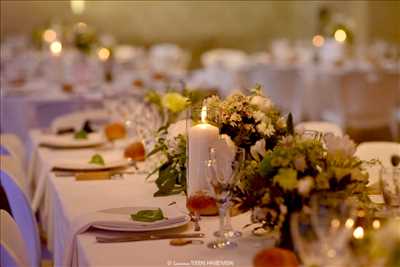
223 169
389 180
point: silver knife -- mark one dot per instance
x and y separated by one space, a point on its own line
143 237
73 173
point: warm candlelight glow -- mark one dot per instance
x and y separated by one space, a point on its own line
103 54
77 6
318 40
340 35
80 26
204 114
349 223
56 48
331 253
335 223
376 224
49 35
358 233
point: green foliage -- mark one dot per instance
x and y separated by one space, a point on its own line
289 123
82 134
148 215
266 169
97 159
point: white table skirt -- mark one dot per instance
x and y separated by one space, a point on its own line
72 199
65 200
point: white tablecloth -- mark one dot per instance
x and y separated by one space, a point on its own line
66 200
20 113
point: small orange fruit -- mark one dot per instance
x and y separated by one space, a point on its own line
135 151
275 257
115 131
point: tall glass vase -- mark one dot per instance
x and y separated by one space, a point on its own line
202 126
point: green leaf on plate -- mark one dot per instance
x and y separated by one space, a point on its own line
97 159
82 134
148 215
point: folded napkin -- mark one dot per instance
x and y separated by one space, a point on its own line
117 219
93 175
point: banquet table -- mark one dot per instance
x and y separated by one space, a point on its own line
66 200
37 109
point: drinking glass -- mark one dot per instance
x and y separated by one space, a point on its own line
223 169
389 179
321 233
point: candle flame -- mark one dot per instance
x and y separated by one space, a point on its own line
204 114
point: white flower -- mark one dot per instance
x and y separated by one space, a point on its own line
259 115
281 123
263 103
229 142
305 185
258 149
339 145
175 129
235 117
265 129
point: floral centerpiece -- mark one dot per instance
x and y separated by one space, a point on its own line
283 169
249 121
285 178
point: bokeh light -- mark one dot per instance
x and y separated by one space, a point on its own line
340 35
318 40
349 223
49 35
56 48
77 6
358 233
103 53
376 224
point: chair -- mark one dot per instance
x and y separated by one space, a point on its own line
283 84
365 100
226 58
12 145
21 210
381 151
320 126
13 249
168 58
12 166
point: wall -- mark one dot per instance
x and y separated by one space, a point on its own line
200 25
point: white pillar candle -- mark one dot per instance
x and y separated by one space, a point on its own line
201 136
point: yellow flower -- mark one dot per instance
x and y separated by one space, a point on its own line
175 102
286 178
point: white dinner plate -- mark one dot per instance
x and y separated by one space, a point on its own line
112 159
68 140
119 219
